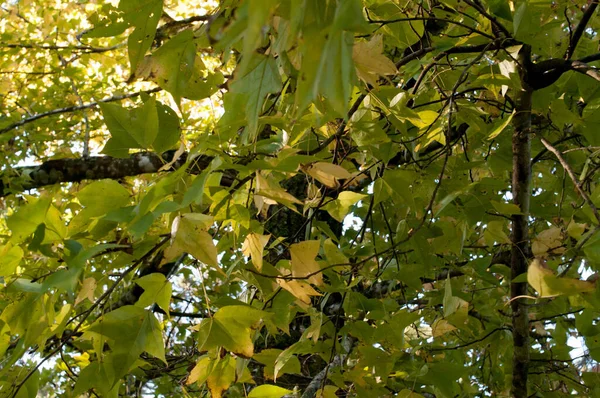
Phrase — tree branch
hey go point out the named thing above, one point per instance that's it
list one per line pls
(68, 109)
(94, 168)
(573, 178)
(587, 15)
(584, 68)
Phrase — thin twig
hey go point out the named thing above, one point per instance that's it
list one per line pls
(574, 179)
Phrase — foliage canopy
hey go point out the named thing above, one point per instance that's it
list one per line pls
(314, 197)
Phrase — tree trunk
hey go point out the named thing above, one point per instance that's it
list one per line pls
(520, 252)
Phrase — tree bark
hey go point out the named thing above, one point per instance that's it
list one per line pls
(520, 252)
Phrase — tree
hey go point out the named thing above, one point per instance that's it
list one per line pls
(323, 198)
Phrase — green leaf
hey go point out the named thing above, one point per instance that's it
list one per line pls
(232, 327)
(500, 8)
(168, 129)
(139, 127)
(340, 207)
(130, 331)
(144, 16)
(327, 71)
(245, 99)
(189, 235)
(259, 13)
(506, 208)
(157, 289)
(269, 356)
(102, 196)
(26, 219)
(500, 128)
(10, 257)
(268, 391)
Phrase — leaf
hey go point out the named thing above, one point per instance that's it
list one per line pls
(139, 127)
(88, 287)
(130, 331)
(157, 289)
(370, 62)
(231, 327)
(547, 284)
(26, 219)
(326, 173)
(201, 371)
(340, 207)
(268, 391)
(168, 127)
(299, 289)
(272, 190)
(500, 128)
(327, 71)
(494, 232)
(101, 196)
(269, 356)
(10, 257)
(254, 246)
(176, 68)
(506, 208)
(144, 15)
(303, 261)
(440, 327)
(259, 13)
(189, 235)
(245, 99)
(221, 377)
(576, 230)
(549, 240)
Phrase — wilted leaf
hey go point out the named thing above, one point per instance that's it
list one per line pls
(327, 173)
(549, 240)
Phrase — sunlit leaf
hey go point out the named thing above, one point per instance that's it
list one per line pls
(231, 327)
(157, 289)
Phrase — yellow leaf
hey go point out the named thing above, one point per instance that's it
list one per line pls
(547, 284)
(549, 240)
(201, 371)
(441, 327)
(536, 276)
(303, 261)
(272, 190)
(189, 235)
(254, 247)
(221, 377)
(300, 290)
(326, 173)
(370, 62)
(87, 291)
